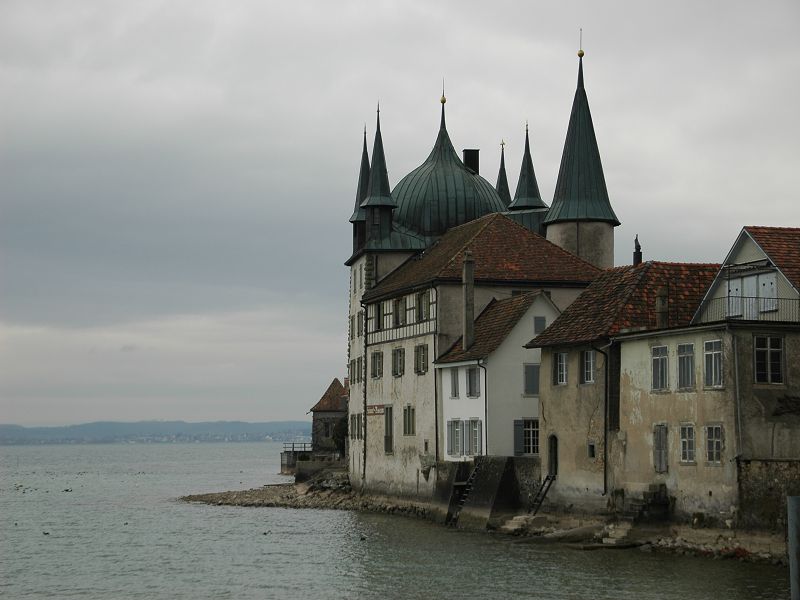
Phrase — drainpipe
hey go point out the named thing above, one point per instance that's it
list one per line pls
(364, 393)
(605, 414)
(485, 406)
(736, 393)
(436, 390)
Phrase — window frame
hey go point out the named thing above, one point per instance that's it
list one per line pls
(530, 437)
(421, 359)
(560, 370)
(715, 445)
(659, 364)
(376, 364)
(538, 369)
(409, 420)
(715, 358)
(686, 365)
(454, 391)
(398, 362)
(476, 392)
(423, 307)
(399, 307)
(768, 353)
(588, 364)
(687, 434)
(388, 429)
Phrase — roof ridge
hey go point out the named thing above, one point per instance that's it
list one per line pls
(772, 227)
(624, 299)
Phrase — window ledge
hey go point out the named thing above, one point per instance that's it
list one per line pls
(713, 464)
(687, 389)
(688, 463)
(713, 388)
(661, 391)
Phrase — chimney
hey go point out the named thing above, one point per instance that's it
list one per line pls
(637, 251)
(468, 285)
(472, 159)
(662, 308)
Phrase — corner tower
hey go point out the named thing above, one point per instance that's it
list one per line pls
(581, 219)
(359, 218)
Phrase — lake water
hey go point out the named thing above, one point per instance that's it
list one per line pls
(121, 533)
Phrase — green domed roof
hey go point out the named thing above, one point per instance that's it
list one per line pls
(442, 192)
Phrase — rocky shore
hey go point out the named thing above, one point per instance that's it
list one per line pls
(332, 491)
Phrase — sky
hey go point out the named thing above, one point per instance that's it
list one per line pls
(176, 177)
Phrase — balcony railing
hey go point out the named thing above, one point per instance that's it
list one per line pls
(749, 308)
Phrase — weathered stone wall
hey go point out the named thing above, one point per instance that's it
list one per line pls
(319, 440)
(763, 487)
(528, 472)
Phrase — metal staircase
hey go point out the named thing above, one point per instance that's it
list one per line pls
(541, 493)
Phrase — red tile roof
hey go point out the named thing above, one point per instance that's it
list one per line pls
(491, 327)
(504, 251)
(334, 399)
(782, 245)
(623, 298)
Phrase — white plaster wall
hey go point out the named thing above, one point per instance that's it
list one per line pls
(593, 241)
(355, 349)
(506, 380)
(461, 407)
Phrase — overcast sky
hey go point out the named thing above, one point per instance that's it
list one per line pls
(176, 177)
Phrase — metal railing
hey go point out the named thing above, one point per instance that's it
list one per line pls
(749, 308)
(297, 446)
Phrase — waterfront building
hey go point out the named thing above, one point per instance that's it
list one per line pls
(329, 419)
(703, 393)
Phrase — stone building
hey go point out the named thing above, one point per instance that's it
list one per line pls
(329, 419)
(405, 281)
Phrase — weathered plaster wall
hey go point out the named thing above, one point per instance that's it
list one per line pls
(319, 440)
(355, 349)
(574, 413)
(593, 241)
(461, 407)
(763, 487)
(696, 486)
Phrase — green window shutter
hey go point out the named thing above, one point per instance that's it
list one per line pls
(519, 437)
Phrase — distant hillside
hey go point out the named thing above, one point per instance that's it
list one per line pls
(157, 432)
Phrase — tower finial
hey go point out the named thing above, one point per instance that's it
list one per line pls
(580, 44)
(502, 145)
(443, 99)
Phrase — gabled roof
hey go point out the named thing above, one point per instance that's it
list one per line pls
(527, 194)
(504, 252)
(491, 327)
(782, 245)
(624, 298)
(334, 399)
(581, 193)
(502, 178)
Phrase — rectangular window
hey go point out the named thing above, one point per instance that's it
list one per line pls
(360, 426)
(530, 436)
(423, 306)
(376, 367)
(591, 450)
(388, 429)
(473, 382)
(587, 366)
(539, 325)
(454, 438)
(659, 357)
(352, 327)
(399, 312)
(409, 421)
(559, 368)
(660, 448)
(359, 367)
(360, 323)
(712, 351)
(531, 373)
(685, 366)
(687, 443)
(378, 309)
(714, 443)
(421, 359)
(353, 371)
(398, 362)
(454, 383)
(768, 356)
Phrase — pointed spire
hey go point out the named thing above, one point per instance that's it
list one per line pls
(378, 189)
(527, 194)
(581, 193)
(443, 100)
(363, 183)
(502, 180)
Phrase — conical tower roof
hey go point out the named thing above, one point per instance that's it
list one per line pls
(527, 194)
(502, 179)
(442, 193)
(378, 189)
(581, 193)
(363, 183)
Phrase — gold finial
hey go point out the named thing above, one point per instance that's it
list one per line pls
(502, 144)
(443, 99)
(580, 44)
(526, 125)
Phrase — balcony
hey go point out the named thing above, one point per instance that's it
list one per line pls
(749, 308)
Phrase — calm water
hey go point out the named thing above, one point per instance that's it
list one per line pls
(120, 533)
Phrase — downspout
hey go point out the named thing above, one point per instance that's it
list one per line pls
(485, 406)
(436, 390)
(605, 415)
(736, 393)
(364, 392)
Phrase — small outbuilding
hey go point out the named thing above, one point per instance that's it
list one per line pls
(329, 423)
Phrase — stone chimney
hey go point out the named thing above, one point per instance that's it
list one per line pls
(468, 285)
(662, 308)
(637, 251)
